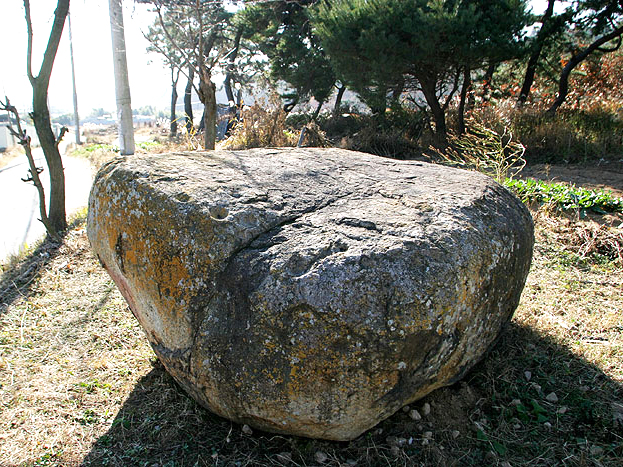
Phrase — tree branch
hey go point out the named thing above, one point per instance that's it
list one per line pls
(31, 78)
(60, 135)
(24, 140)
(60, 14)
(576, 59)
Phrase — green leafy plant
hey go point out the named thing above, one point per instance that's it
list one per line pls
(565, 196)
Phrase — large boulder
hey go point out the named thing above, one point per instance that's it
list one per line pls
(310, 291)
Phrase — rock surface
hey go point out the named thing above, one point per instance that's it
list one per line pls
(310, 291)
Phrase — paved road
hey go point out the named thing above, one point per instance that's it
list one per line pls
(19, 201)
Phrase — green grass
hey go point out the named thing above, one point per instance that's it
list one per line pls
(88, 149)
(565, 197)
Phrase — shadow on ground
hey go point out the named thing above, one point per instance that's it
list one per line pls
(498, 413)
(17, 280)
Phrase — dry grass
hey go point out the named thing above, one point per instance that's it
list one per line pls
(79, 384)
(10, 154)
(100, 147)
(261, 125)
(572, 136)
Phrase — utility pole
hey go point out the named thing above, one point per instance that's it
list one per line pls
(73, 81)
(122, 83)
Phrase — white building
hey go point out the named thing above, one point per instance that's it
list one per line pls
(7, 140)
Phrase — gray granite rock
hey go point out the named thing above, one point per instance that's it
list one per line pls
(310, 291)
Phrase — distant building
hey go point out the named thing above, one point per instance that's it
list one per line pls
(7, 140)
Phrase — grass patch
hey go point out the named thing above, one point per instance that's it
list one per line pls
(565, 196)
(571, 136)
(100, 153)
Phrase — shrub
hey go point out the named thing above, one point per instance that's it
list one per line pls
(484, 150)
(575, 135)
(261, 125)
(395, 134)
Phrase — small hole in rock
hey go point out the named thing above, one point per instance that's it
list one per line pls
(219, 213)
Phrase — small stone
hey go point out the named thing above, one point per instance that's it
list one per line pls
(551, 397)
(456, 434)
(378, 431)
(415, 415)
(406, 409)
(547, 425)
(528, 375)
(428, 434)
(351, 461)
(562, 410)
(426, 409)
(515, 402)
(537, 387)
(401, 442)
(246, 429)
(597, 450)
(517, 426)
(394, 451)
(320, 457)
(425, 442)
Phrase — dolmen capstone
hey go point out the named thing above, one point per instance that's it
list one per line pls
(311, 292)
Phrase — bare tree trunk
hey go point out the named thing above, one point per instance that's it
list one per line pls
(536, 53)
(488, 82)
(317, 111)
(563, 83)
(174, 79)
(188, 106)
(439, 116)
(208, 97)
(24, 141)
(41, 118)
(467, 83)
(230, 65)
(122, 83)
(41, 114)
(233, 108)
(338, 101)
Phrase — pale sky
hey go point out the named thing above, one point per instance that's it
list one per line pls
(150, 81)
(149, 78)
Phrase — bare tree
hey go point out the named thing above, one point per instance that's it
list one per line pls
(616, 34)
(545, 32)
(24, 141)
(195, 29)
(57, 219)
